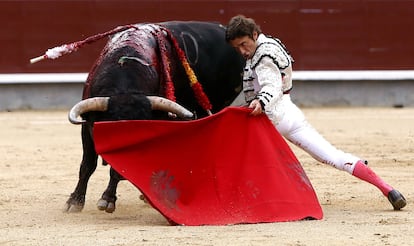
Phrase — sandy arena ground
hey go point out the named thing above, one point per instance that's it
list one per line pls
(40, 156)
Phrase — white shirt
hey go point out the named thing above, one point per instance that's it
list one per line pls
(268, 74)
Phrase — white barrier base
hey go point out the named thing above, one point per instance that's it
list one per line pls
(311, 89)
(29, 78)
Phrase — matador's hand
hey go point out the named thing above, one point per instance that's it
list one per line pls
(256, 106)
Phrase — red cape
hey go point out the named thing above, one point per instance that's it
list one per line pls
(228, 168)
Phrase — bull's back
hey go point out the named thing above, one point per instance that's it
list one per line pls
(217, 65)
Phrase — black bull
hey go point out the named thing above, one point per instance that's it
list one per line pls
(130, 68)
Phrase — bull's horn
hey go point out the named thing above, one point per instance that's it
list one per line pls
(101, 104)
(163, 104)
(87, 105)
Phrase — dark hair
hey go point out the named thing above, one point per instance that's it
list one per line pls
(240, 26)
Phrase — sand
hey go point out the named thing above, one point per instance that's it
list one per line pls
(41, 151)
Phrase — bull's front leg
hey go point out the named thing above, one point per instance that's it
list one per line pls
(76, 201)
(108, 199)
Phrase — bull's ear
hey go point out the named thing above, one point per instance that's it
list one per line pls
(123, 59)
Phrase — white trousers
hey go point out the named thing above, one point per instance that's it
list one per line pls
(295, 128)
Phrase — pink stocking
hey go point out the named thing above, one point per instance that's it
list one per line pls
(365, 173)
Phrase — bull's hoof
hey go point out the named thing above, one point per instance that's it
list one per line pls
(106, 206)
(74, 204)
(71, 208)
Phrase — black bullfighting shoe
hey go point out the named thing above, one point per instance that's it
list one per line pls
(396, 199)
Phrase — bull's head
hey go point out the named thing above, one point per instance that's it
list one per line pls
(101, 104)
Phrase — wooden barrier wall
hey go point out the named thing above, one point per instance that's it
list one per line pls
(320, 34)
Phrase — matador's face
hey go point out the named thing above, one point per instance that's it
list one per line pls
(245, 45)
